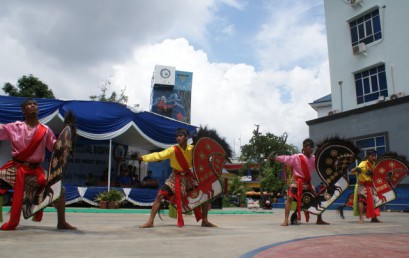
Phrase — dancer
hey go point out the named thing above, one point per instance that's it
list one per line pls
(29, 139)
(365, 192)
(302, 165)
(180, 181)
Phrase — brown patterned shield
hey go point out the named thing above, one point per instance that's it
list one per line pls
(52, 191)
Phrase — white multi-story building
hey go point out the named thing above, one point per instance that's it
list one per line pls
(368, 47)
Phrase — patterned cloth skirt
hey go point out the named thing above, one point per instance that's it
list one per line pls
(8, 179)
(363, 194)
(187, 183)
(294, 186)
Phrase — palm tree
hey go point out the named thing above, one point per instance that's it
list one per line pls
(237, 188)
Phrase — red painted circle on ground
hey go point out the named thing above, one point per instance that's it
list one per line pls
(362, 245)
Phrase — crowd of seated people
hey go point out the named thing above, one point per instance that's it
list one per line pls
(149, 182)
(128, 178)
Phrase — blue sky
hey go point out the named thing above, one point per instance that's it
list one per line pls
(253, 62)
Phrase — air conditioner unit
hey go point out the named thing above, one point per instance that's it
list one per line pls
(333, 112)
(397, 95)
(381, 98)
(355, 2)
(359, 49)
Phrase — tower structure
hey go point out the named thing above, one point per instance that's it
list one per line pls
(171, 93)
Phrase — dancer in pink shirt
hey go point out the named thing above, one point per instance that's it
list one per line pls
(28, 139)
(302, 166)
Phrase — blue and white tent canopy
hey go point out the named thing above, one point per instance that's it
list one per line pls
(102, 121)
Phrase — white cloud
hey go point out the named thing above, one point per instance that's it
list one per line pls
(291, 36)
(74, 46)
(230, 98)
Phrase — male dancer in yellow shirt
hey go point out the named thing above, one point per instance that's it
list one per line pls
(180, 181)
(365, 192)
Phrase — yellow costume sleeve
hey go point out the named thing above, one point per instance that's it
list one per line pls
(363, 177)
(169, 153)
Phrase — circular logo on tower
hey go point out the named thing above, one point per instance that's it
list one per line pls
(165, 73)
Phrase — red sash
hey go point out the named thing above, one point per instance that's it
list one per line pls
(185, 166)
(22, 171)
(35, 142)
(370, 205)
(307, 177)
(305, 168)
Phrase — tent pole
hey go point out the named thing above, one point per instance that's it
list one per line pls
(109, 164)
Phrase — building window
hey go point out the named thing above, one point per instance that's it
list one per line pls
(370, 84)
(366, 29)
(378, 143)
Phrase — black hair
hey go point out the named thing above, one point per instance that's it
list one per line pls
(27, 101)
(309, 142)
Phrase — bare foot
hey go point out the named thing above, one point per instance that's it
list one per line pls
(147, 225)
(284, 224)
(321, 222)
(376, 220)
(65, 225)
(208, 224)
(361, 222)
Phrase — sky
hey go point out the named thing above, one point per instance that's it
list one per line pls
(254, 62)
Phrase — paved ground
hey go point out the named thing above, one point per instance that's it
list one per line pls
(254, 234)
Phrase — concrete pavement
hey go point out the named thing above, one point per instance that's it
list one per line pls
(238, 235)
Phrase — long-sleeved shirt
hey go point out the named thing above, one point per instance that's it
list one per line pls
(20, 136)
(169, 153)
(365, 166)
(295, 162)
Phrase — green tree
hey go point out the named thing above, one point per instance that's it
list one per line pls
(258, 149)
(122, 98)
(236, 186)
(28, 86)
(271, 180)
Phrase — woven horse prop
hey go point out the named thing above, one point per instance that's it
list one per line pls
(389, 170)
(208, 161)
(333, 157)
(210, 153)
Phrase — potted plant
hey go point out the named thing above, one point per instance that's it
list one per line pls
(102, 199)
(110, 199)
(115, 197)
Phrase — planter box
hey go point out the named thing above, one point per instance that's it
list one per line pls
(103, 204)
(113, 205)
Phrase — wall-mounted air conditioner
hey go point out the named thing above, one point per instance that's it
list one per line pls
(355, 2)
(359, 49)
(397, 95)
(333, 112)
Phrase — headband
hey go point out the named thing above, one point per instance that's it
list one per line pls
(182, 131)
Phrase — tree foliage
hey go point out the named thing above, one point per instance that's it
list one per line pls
(28, 86)
(260, 146)
(271, 180)
(236, 186)
(122, 98)
(258, 149)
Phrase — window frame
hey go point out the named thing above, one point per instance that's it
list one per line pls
(370, 84)
(366, 28)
